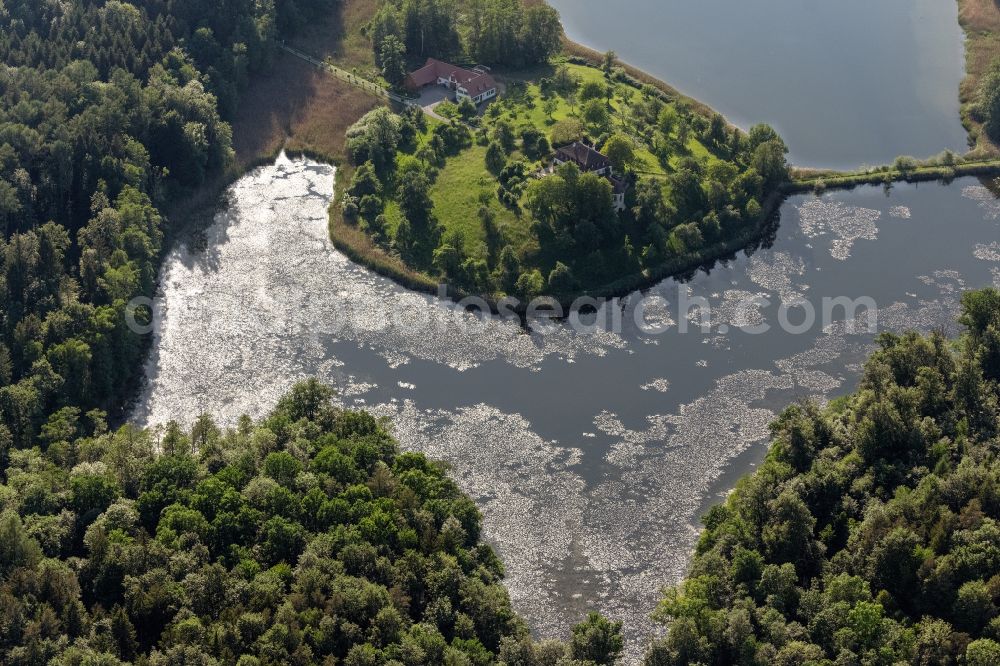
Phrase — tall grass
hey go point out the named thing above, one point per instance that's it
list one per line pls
(980, 19)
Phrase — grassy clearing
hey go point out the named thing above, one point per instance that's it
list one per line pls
(572, 48)
(981, 21)
(462, 186)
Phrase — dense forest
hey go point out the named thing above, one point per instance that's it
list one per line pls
(108, 111)
(871, 535)
(306, 538)
(488, 32)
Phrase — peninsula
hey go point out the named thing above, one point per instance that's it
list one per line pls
(569, 174)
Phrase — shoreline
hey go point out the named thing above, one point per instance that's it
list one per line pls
(359, 247)
(817, 180)
(194, 213)
(573, 48)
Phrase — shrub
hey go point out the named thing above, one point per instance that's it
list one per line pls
(566, 132)
(496, 158)
(561, 279)
(447, 109)
(466, 109)
(593, 90)
(905, 163)
(350, 208)
(530, 285)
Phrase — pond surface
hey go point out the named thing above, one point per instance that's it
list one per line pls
(845, 83)
(591, 455)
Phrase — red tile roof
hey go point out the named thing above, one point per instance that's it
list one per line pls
(473, 81)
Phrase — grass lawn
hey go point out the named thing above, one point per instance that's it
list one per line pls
(464, 182)
(461, 187)
(458, 190)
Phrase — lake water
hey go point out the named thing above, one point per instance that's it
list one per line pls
(845, 83)
(591, 455)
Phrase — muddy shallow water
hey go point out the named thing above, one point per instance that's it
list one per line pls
(591, 455)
